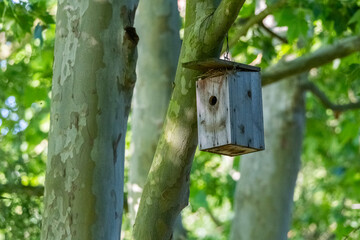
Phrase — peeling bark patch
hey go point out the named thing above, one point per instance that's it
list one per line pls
(119, 86)
(75, 27)
(148, 200)
(130, 34)
(174, 109)
(184, 90)
(74, 119)
(115, 146)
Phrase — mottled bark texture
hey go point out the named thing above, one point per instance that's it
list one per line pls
(94, 75)
(264, 193)
(158, 24)
(166, 190)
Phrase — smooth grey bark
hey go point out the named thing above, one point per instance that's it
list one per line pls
(264, 192)
(94, 75)
(158, 25)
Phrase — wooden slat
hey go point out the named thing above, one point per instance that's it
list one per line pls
(230, 150)
(257, 109)
(213, 120)
(241, 114)
(220, 64)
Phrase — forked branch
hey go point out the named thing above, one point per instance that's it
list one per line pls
(223, 17)
(273, 34)
(256, 19)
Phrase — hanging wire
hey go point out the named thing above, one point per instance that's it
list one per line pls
(226, 56)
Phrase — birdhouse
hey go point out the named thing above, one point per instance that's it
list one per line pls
(229, 107)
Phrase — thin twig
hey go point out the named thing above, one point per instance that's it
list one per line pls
(317, 58)
(213, 218)
(325, 100)
(272, 33)
(354, 230)
(241, 31)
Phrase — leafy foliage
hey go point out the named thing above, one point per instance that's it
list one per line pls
(25, 80)
(327, 194)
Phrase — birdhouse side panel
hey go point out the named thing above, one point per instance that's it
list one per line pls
(212, 97)
(246, 110)
(241, 109)
(257, 109)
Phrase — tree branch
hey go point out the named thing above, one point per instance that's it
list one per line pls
(223, 17)
(254, 20)
(318, 58)
(213, 217)
(325, 100)
(273, 34)
(37, 191)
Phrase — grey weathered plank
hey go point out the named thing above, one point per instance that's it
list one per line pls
(242, 116)
(257, 108)
(214, 63)
(212, 119)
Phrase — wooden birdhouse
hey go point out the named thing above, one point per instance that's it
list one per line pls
(229, 107)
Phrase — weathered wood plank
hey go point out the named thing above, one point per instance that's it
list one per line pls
(218, 64)
(212, 102)
(257, 108)
(242, 116)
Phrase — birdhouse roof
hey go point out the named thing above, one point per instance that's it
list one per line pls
(219, 64)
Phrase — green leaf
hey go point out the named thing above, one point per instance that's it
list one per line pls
(348, 132)
(295, 21)
(355, 18)
(200, 199)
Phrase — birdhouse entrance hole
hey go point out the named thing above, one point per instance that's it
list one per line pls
(229, 107)
(213, 100)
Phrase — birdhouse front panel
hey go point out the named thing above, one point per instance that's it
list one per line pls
(213, 112)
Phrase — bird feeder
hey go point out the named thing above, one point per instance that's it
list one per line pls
(229, 107)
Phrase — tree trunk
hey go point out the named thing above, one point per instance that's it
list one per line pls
(158, 24)
(264, 193)
(166, 190)
(158, 27)
(94, 75)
